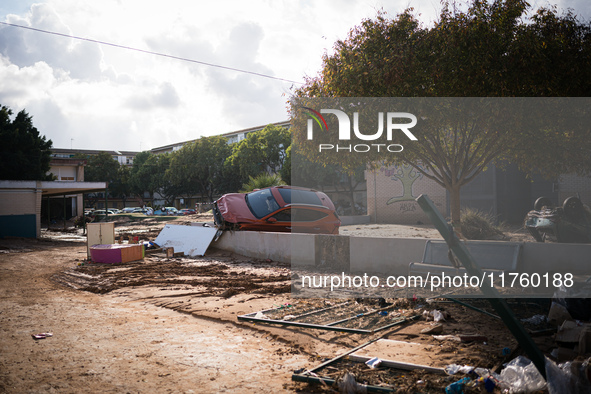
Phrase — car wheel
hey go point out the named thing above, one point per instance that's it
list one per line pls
(543, 202)
(573, 207)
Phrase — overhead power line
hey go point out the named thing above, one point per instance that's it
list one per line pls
(152, 53)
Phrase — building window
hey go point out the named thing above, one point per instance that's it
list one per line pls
(67, 178)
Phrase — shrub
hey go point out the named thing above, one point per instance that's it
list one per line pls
(261, 181)
(478, 225)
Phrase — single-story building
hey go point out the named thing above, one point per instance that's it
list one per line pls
(20, 203)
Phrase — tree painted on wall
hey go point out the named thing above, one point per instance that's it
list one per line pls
(406, 175)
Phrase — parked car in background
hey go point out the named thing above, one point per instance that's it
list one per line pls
(187, 211)
(569, 223)
(128, 209)
(277, 208)
(167, 211)
(103, 212)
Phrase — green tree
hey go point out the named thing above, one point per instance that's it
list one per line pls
(317, 175)
(101, 168)
(144, 177)
(199, 168)
(486, 51)
(262, 151)
(285, 171)
(122, 186)
(24, 153)
(166, 186)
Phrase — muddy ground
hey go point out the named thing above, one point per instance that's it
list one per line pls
(170, 324)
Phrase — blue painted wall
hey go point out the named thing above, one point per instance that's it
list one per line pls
(18, 226)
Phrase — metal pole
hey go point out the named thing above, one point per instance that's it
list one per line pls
(83, 216)
(499, 304)
(48, 213)
(107, 204)
(64, 202)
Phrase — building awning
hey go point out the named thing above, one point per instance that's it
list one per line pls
(55, 188)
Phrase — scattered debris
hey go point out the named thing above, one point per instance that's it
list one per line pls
(191, 240)
(436, 328)
(435, 315)
(116, 253)
(568, 377)
(462, 338)
(522, 376)
(351, 316)
(42, 335)
(397, 354)
(373, 363)
(457, 387)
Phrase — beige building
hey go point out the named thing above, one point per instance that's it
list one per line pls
(20, 203)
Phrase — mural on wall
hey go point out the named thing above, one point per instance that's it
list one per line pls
(406, 175)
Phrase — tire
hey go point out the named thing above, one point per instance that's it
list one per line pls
(573, 207)
(543, 202)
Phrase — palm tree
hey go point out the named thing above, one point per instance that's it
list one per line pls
(261, 181)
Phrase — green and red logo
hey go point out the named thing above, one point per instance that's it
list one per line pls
(388, 122)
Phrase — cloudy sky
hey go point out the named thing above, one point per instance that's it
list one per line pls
(89, 95)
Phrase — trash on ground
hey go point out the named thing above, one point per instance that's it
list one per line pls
(373, 362)
(453, 369)
(191, 240)
(42, 335)
(462, 338)
(116, 253)
(535, 320)
(398, 354)
(435, 315)
(573, 339)
(457, 387)
(436, 328)
(568, 377)
(522, 376)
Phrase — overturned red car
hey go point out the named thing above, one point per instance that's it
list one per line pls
(277, 208)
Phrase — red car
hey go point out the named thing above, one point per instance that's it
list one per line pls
(188, 211)
(277, 208)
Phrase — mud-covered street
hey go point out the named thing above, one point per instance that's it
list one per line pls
(170, 325)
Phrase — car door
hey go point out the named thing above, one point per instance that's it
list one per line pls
(310, 220)
(278, 221)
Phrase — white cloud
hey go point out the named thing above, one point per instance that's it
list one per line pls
(105, 97)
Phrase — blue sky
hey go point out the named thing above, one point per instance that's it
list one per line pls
(91, 96)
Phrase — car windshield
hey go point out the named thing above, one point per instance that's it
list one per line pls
(296, 196)
(261, 203)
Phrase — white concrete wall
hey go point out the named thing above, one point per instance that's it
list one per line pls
(275, 246)
(552, 257)
(385, 255)
(392, 256)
